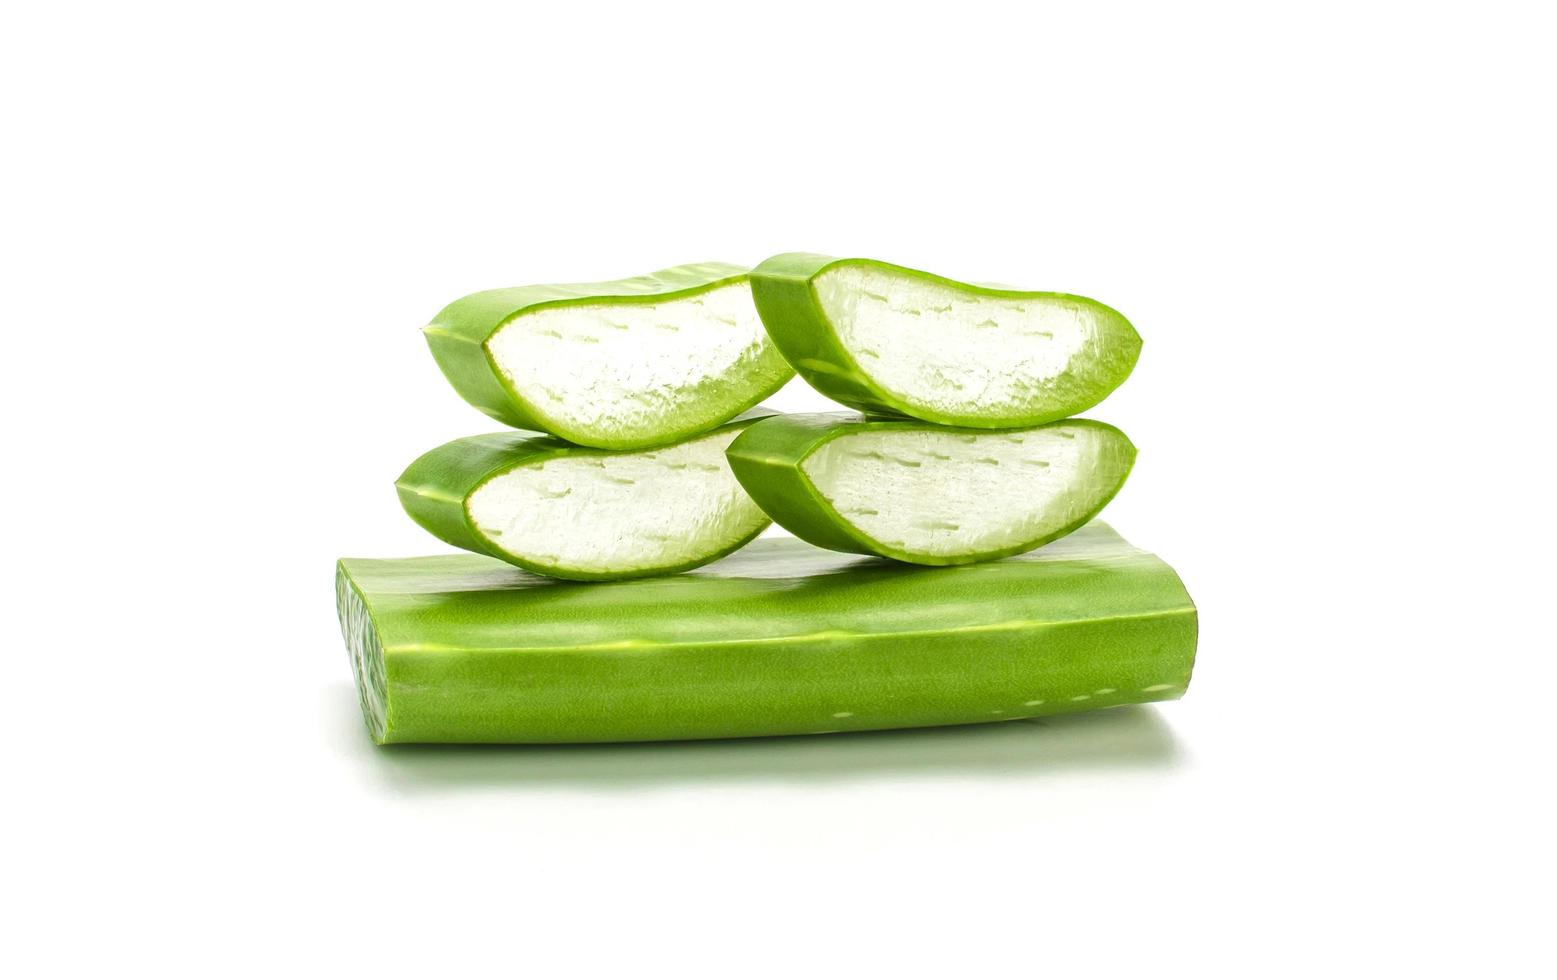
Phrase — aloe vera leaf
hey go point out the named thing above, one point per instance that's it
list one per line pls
(896, 341)
(616, 365)
(929, 494)
(780, 638)
(580, 513)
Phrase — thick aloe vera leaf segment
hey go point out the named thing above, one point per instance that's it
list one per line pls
(780, 638)
(617, 365)
(580, 513)
(885, 339)
(929, 494)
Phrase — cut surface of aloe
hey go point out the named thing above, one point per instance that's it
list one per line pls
(617, 365)
(886, 339)
(780, 638)
(580, 513)
(928, 494)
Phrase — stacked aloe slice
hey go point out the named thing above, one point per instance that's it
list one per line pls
(639, 449)
(641, 384)
(993, 467)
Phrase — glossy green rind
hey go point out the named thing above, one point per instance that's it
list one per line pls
(769, 457)
(459, 334)
(436, 488)
(784, 289)
(780, 638)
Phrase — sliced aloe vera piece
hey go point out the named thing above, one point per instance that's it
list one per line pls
(579, 513)
(885, 339)
(780, 638)
(617, 365)
(925, 493)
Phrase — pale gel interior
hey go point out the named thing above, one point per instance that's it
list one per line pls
(626, 367)
(367, 656)
(955, 351)
(949, 493)
(656, 508)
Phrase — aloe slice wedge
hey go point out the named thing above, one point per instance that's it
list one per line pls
(780, 638)
(885, 339)
(929, 494)
(579, 513)
(616, 365)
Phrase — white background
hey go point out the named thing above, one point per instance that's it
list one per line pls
(223, 226)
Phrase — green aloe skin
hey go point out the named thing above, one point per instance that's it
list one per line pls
(587, 514)
(929, 494)
(889, 340)
(781, 638)
(615, 365)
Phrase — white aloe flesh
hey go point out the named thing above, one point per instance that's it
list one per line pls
(608, 514)
(947, 494)
(956, 354)
(626, 367)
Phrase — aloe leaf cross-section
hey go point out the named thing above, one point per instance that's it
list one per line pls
(929, 494)
(580, 513)
(885, 339)
(616, 365)
(780, 638)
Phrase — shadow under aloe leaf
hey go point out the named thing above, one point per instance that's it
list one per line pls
(1132, 737)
